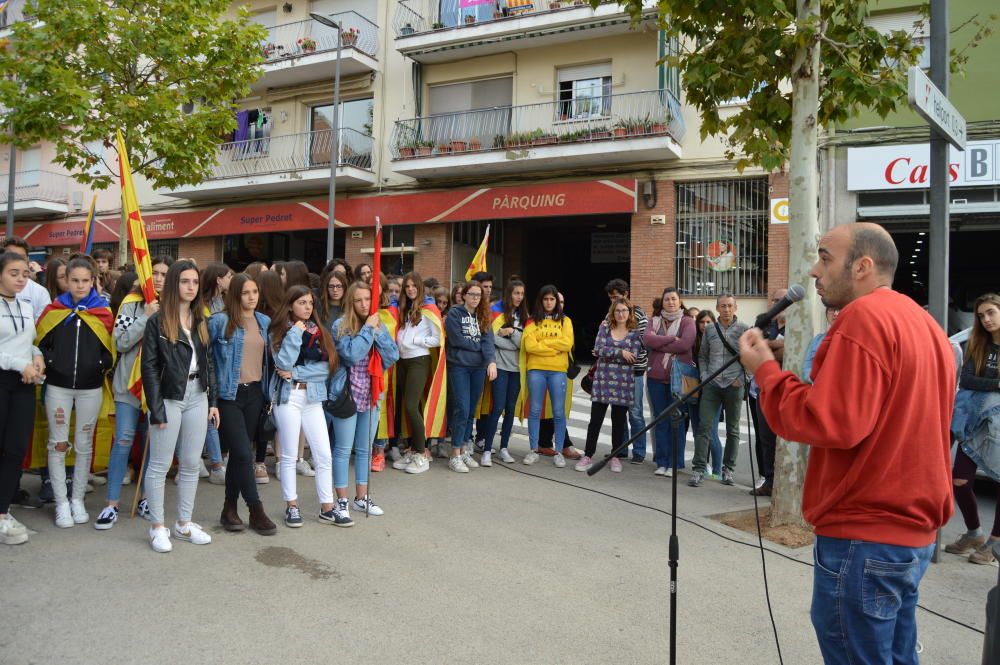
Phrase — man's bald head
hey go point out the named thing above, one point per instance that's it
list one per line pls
(873, 241)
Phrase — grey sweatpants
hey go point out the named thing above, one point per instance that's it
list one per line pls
(187, 421)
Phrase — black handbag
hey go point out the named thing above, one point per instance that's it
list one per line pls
(573, 369)
(266, 426)
(587, 382)
(343, 406)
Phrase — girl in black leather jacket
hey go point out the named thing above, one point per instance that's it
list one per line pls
(179, 382)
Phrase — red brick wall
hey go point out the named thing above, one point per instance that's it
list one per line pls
(434, 257)
(653, 246)
(353, 246)
(202, 250)
(777, 239)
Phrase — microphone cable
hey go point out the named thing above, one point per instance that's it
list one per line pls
(717, 534)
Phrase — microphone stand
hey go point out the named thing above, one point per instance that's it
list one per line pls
(674, 553)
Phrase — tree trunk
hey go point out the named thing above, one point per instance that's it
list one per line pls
(803, 232)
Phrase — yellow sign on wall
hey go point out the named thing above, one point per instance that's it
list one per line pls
(779, 211)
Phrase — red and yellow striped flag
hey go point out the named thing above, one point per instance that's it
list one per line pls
(479, 260)
(136, 228)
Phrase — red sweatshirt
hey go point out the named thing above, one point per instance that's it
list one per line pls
(877, 418)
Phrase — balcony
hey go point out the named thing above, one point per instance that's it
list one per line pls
(36, 194)
(289, 164)
(13, 13)
(614, 129)
(305, 51)
(432, 31)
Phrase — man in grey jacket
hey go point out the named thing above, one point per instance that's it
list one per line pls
(725, 390)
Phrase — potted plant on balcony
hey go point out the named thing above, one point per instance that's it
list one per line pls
(408, 149)
(470, 19)
(457, 145)
(554, 4)
(269, 50)
(658, 126)
(599, 133)
(442, 149)
(306, 44)
(424, 148)
(437, 25)
(349, 37)
(407, 30)
(627, 127)
(475, 144)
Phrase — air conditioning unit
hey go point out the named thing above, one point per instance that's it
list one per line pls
(77, 201)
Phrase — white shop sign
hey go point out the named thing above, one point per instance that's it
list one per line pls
(908, 166)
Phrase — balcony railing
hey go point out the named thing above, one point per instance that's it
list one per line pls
(292, 152)
(291, 40)
(583, 120)
(418, 16)
(37, 185)
(13, 13)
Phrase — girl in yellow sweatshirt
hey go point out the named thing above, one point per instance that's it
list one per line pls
(547, 342)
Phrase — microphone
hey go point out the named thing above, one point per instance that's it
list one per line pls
(795, 294)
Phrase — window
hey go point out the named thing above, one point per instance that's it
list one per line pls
(471, 234)
(913, 23)
(473, 109)
(584, 92)
(722, 237)
(356, 119)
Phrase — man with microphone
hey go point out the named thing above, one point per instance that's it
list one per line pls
(877, 416)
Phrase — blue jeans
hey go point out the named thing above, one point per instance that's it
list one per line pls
(715, 443)
(864, 601)
(540, 381)
(465, 385)
(505, 391)
(637, 420)
(126, 432)
(670, 434)
(213, 445)
(354, 433)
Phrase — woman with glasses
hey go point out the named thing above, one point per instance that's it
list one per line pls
(471, 359)
(331, 297)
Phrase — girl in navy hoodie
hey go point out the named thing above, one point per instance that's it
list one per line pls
(471, 358)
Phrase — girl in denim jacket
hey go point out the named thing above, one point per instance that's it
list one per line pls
(355, 333)
(304, 359)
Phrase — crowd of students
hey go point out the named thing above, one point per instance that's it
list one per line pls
(273, 359)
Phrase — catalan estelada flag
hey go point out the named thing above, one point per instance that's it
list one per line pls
(136, 228)
(435, 394)
(135, 372)
(375, 359)
(87, 244)
(479, 260)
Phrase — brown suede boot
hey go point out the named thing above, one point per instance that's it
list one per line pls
(260, 522)
(230, 519)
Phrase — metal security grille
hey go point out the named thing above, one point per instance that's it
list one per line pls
(722, 237)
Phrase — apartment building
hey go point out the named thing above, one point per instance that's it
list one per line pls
(551, 123)
(879, 170)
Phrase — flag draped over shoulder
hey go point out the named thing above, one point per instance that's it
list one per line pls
(94, 312)
(435, 393)
(486, 398)
(136, 228)
(387, 415)
(87, 244)
(478, 263)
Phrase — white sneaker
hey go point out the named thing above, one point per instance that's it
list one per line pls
(469, 460)
(559, 461)
(64, 517)
(159, 539)
(79, 511)
(403, 461)
(394, 454)
(530, 458)
(303, 469)
(127, 479)
(203, 471)
(418, 464)
(98, 480)
(217, 476)
(12, 532)
(660, 471)
(584, 464)
(456, 464)
(669, 473)
(486, 459)
(192, 533)
(364, 504)
(506, 457)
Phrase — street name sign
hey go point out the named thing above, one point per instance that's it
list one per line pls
(933, 105)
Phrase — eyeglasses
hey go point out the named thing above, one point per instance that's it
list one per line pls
(473, 295)
(334, 287)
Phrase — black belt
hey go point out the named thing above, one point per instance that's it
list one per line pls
(193, 375)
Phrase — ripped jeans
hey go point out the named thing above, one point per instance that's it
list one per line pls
(127, 432)
(59, 404)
